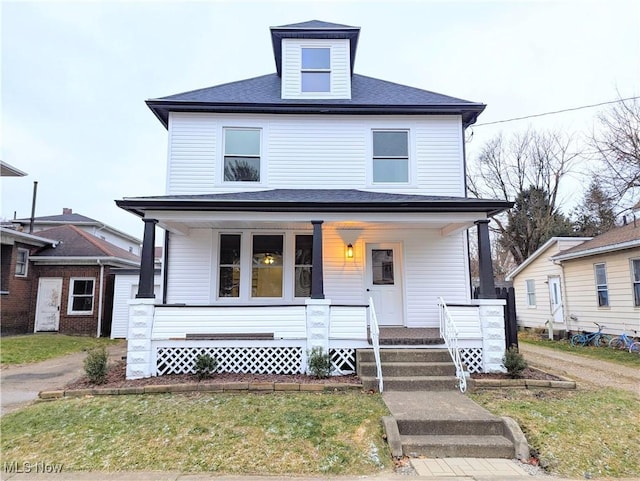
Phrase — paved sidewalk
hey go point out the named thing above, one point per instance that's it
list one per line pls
(20, 385)
(583, 369)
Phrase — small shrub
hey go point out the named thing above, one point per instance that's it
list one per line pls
(205, 366)
(319, 363)
(514, 362)
(95, 365)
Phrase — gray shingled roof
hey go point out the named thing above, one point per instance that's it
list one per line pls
(74, 242)
(627, 236)
(316, 25)
(316, 200)
(262, 94)
(61, 218)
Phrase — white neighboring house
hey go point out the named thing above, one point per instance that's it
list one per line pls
(538, 286)
(577, 282)
(91, 226)
(296, 199)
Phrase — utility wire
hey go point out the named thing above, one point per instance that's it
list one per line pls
(556, 112)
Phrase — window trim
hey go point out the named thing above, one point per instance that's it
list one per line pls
(316, 70)
(530, 292)
(25, 271)
(72, 281)
(599, 287)
(635, 282)
(411, 175)
(262, 172)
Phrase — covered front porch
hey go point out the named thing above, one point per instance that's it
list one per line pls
(396, 255)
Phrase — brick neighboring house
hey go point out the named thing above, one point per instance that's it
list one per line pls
(68, 287)
(16, 278)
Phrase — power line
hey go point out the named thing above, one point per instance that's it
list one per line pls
(556, 112)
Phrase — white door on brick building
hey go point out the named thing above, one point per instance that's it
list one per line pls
(48, 304)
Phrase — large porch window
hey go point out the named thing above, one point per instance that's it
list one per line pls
(229, 281)
(267, 263)
(304, 258)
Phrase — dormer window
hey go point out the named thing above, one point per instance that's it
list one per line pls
(316, 70)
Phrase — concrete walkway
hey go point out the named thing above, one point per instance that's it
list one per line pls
(20, 385)
(583, 369)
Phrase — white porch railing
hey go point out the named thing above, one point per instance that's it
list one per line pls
(375, 338)
(449, 331)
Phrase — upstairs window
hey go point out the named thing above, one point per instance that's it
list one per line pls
(635, 272)
(241, 155)
(316, 70)
(531, 292)
(22, 262)
(390, 156)
(601, 285)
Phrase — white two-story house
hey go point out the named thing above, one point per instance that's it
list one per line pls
(297, 200)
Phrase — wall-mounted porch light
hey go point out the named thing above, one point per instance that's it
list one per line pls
(349, 251)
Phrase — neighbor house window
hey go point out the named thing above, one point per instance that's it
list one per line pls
(316, 70)
(266, 270)
(601, 285)
(81, 296)
(303, 262)
(241, 155)
(531, 292)
(22, 262)
(229, 280)
(635, 272)
(390, 156)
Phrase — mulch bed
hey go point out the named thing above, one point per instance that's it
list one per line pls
(116, 377)
(528, 373)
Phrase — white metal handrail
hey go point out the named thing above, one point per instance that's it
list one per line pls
(375, 339)
(449, 332)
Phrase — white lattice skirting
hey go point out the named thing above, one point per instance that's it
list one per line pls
(250, 360)
(472, 358)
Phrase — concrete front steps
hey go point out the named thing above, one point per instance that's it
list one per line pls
(408, 369)
(430, 417)
(447, 424)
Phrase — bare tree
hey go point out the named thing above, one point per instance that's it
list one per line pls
(617, 144)
(530, 161)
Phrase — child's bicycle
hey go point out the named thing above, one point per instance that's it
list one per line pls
(622, 342)
(598, 339)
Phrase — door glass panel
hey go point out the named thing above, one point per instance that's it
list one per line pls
(382, 267)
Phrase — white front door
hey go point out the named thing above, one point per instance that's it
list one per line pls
(384, 282)
(555, 297)
(48, 304)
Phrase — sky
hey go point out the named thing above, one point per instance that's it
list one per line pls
(75, 75)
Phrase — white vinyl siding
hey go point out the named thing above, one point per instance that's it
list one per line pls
(433, 266)
(190, 268)
(292, 68)
(315, 151)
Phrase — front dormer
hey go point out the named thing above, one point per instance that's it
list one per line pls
(314, 59)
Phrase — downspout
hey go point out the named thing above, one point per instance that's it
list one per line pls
(100, 298)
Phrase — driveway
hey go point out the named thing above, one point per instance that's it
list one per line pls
(583, 369)
(20, 384)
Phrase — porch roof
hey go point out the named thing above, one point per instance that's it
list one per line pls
(313, 200)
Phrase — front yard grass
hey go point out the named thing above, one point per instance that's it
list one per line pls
(275, 434)
(40, 347)
(620, 356)
(593, 433)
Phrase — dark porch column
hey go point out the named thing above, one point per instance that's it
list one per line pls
(487, 288)
(317, 276)
(145, 284)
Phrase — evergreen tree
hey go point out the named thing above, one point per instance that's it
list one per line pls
(595, 215)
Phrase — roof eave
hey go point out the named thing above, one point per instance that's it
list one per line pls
(597, 250)
(140, 206)
(468, 111)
